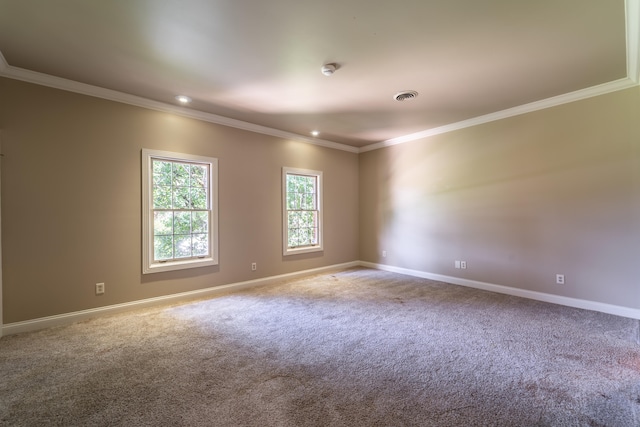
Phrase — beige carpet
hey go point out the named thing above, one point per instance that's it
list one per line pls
(355, 348)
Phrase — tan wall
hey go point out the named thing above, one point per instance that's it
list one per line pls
(71, 201)
(521, 199)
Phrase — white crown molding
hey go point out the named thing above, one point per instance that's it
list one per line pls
(632, 21)
(517, 292)
(3, 64)
(29, 76)
(515, 111)
(632, 14)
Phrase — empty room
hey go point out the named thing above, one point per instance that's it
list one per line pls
(294, 213)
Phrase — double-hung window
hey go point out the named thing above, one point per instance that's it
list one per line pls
(180, 211)
(302, 210)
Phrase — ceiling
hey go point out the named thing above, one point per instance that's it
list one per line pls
(256, 64)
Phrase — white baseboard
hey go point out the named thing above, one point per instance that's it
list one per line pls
(539, 296)
(76, 316)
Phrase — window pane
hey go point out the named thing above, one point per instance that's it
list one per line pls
(181, 174)
(181, 198)
(182, 223)
(200, 244)
(162, 223)
(302, 209)
(291, 201)
(198, 176)
(293, 219)
(291, 186)
(182, 246)
(308, 201)
(303, 238)
(293, 237)
(161, 173)
(199, 222)
(308, 219)
(161, 197)
(181, 217)
(198, 198)
(311, 185)
(163, 247)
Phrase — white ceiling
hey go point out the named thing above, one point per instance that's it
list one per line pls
(256, 64)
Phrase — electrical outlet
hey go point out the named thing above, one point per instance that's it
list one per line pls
(99, 288)
(560, 279)
(254, 266)
(384, 254)
(463, 265)
(457, 264)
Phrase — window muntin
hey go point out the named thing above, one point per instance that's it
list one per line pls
(302, 214)
(180, 226)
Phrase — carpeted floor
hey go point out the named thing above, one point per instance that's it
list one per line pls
(354, 348)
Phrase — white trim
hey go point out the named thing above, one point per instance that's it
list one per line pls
(29, 76)
(286, 250)
(632, 26)
(632, 17)
(148, 263)
(4, 65)
(523, 293)
(510, 112)
(633, 69)
(77, 316)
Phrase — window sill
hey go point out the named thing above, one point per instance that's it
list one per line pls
(179, 265)
(302, 250)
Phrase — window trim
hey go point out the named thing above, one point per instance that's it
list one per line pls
(286, 250)
(148, 266)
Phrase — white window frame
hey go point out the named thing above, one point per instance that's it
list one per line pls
(286, 250)
(148, 264)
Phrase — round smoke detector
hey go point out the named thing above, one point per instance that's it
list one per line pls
(328, 69)
(405, 95)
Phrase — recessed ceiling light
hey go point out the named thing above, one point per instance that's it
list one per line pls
(182, 99)
(315, 132)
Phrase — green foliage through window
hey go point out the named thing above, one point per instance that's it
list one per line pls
(181, 210)
(302, 210)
